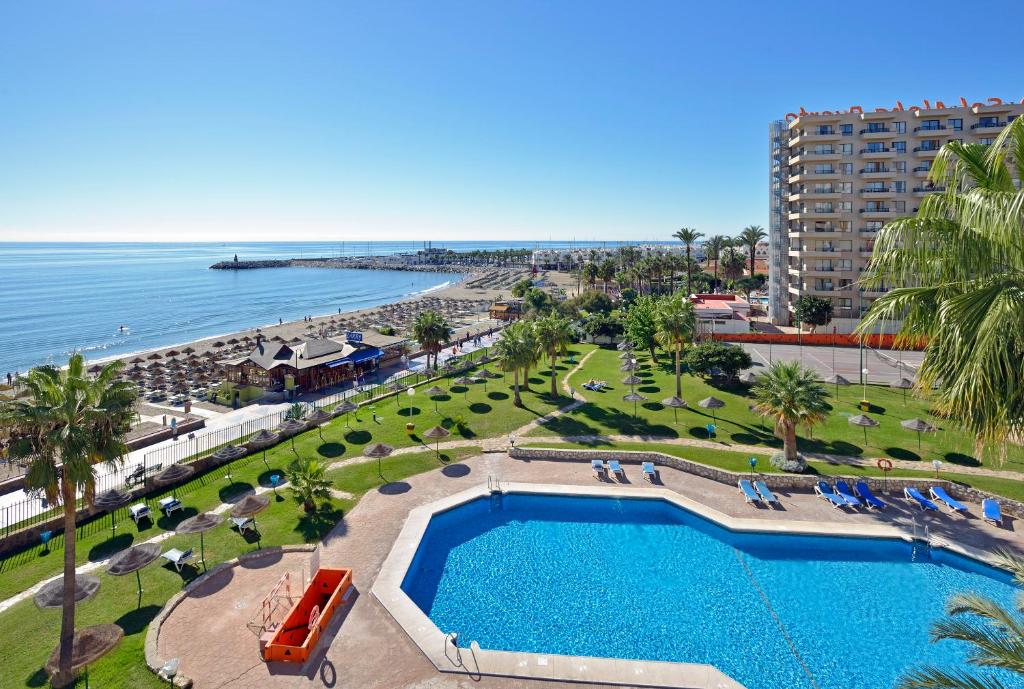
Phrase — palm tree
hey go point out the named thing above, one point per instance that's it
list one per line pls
(713, 247)
(606, 271)
(688, 236)
(676, 324)
(749, 237)
(554, 334)
(432, 331)
(996, 633)
(792, 395)
(308, 481)
(514, 353)
(957, 273)
(732, 263)
(532, 345)
(68, 423)
(590, 274)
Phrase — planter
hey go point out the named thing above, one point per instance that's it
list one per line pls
(865, 405)
(410, 427)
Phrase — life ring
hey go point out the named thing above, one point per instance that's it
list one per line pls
(314, 616)
(884, 464)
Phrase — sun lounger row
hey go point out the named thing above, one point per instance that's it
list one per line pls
(843, 496)
(757, 492)
(614, 469)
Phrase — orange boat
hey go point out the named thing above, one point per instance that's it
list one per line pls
(294, 640)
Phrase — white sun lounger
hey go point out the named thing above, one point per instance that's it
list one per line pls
(178, 558)
(598, 467)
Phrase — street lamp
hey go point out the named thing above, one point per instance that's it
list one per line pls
(936, 464)
(864, 397)
(170, 669)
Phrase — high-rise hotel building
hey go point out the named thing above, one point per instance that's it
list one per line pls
(837, 177)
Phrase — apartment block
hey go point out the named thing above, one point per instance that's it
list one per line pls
(837, 178)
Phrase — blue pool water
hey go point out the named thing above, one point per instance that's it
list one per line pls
(643, 579)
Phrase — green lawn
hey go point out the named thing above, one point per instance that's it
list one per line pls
(606, 413)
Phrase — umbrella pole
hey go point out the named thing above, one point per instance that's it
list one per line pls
(919, 441)
(675, 415)
(265, 459)
(202, 549)
(865, 435)
(112, 527)
(138, 580)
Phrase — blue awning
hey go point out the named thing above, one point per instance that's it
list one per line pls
(339, 362)
(364, 354)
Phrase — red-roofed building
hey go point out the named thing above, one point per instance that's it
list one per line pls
(721, 313)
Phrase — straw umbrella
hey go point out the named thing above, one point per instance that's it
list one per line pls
(250, 506)
(51, 595)
(262, 440)
(437, 433)
(837, 380)
(133, 559)
(110, 500)
(464, 382)
(626, 355)
(903, 384)
(625, 346)
(379, 451)
(628, 366)
(676, 404)
(634, 398)
(172, 476)
(632, 380)
(397, 388)
(920, 426)
(865, 422)
(88, 645)
(433, 392)
(154, 356)
(137, 360)
(200, 524)
(345, 407)
(188, 350)
(712, 403)
(317, 418)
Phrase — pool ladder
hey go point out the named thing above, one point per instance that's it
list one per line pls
(920, 536)
(453, 639)
(493, 485)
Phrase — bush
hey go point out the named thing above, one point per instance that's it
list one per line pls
(708, 356)
(597, 325)
(797, 466)
(594, 302)
(813, 311)
(386, 330)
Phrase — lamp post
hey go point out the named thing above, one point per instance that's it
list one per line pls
(170, 670)
(864, 383)
(936, 464)
(753, 464)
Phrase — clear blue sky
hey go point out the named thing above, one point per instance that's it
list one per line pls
(444, 120)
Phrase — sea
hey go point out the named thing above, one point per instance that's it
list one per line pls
(58, 298)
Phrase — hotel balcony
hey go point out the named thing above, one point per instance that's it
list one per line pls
(812, 176)
(815, 195)
(989, 126)
(812, 157)
(867, 233)
(877, 193)
(882, 133)
(808, 233)
(810, 213)
(922, 191)
(814, 137)
(930, 131)
(883, 153)
(880, 213)
(807, 251)
(921, 171)
(877, 173)
(922, 151)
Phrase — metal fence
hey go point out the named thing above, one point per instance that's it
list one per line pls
(34, 510)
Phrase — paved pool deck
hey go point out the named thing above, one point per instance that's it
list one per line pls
(365, 647)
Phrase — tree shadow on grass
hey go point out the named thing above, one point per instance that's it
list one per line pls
(621, 422)
(653, 406)
(960, 459)
(103, 550)
(331, 450)
(313, 526)
(359, 437)
(649, 389)
(567, 426)
(264, 478)
(903, 453)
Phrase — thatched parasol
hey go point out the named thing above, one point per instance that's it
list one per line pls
(465, 382)
(51, 595)
(137, 360)
(233, 341)
(632, 380)
(345, 407)
(95, 368)
(88, 645)
(379, 451)
(173, 475)
(626, 355)
(903, 384)
(748, 378)
(228, 453)
(711, 403)
(200, 524)
(172, 353)
(676, 404)
(290, 427)
(837, 380)
(634, 398)
(263, 439)
(437, 433)
(318, 417)
(250, 506)
(154, 356)
(188, 350)
(132, 560)
(433, 392)
(110, 500)
(920, 426)
(628, 366)
(218, 344)
(625, 346)
(865, 422)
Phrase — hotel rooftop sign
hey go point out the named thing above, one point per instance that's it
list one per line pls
(939, 105)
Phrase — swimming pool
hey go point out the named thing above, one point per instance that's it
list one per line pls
(645, 579)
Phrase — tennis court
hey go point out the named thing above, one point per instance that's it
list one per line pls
(884, 366)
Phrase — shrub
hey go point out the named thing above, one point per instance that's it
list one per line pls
(792, 466)
(702, 359)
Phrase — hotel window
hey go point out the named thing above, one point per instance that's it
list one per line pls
(822, 188)
(823, 169)
(873, 225)
(899, 206)
(825, 129)
(846, 206)
(900, 127)
(824, 148)
(986, 140)
(899, 187)
(846, 149)
(901, 166)
(847, 129)
(875, 147)
(844, 225)
(846, 168)
(875, 186)
(846, 187)
(845, 303)
(956, 124)
(822, 207)
(929, 125)
(845, 245)
(874, 127)
(844, 264)
(899, 146)
(988, 121)
(845, 283)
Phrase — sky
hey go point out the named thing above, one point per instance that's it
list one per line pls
(549, 120)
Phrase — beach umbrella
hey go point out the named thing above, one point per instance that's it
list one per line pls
(262, 440)
(634, 398)
(345, 407)
(837, 380)
(188, 350)
(200, 524)
(748, 378)
(154, 356)
(110, 500)
(396, 387)
(625, 346)
(318, 417)
(379, 451)
(218, 344)
(903, 384)
(290, 427)
(233, 341)
(628, 366)
(228, 453)
(173, 475)
(172, 353)
(87, 646)
(95, 368)
(465, 382)
(433, 392)
(626, 355)
(51, 594)
(437, 433)
(250, 506)
(133, 559)
(920, 426)
(137, 360)
(712, 403)
(277, 338)
(632, 380)
(295, 340)
(676, 405)
(865, 422)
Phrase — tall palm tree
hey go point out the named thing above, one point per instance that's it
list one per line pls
(532, 346)
(732, 263)
(749, 237)
(432, 331)
(68, 423)
(606, 271)
(676, 325)
(997, 635)
(688, 236)
(792, 395)
(957, 273)
(554, 334)
(590, 274)
(713, 247)
(514, 353)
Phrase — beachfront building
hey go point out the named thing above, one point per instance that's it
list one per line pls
(566, 259)
(835, 178)
(507, 310)
(306, 366)
(721, 313)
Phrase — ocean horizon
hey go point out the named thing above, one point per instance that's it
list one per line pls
(62, 297)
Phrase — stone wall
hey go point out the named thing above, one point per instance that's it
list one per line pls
(782, 482)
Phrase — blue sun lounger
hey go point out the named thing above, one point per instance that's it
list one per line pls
(615, 468)
(923, 502)
(867, 496)
(749, 494)
(766, 494)
(939, 493)
(825, 491)
(648, 469)
(843, 488)
(990, 510)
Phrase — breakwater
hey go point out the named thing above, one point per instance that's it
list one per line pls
(368, 263)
